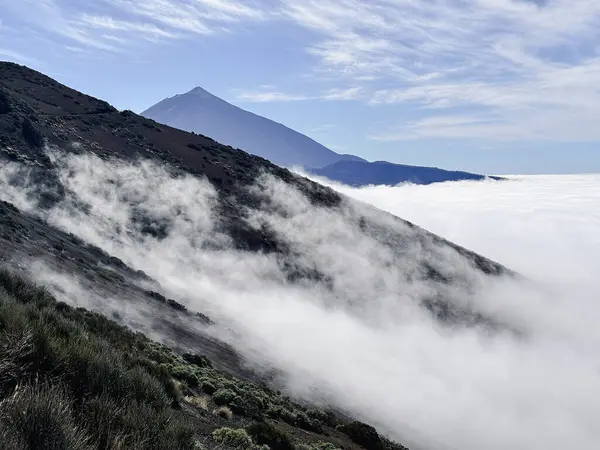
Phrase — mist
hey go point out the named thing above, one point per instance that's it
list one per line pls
(363, 342)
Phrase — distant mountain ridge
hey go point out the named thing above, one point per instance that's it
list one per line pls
(201, 112)
(359, 173)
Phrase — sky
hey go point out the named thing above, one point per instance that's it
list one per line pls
(490, 86)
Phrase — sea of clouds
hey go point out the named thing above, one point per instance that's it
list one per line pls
(384, 359)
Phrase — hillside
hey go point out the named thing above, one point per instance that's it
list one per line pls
(203, 113)
(203, 249)
(362, 173)
(72, 379)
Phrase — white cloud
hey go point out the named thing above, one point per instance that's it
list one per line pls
(323, 128)
(192, 16)
(529, 67)
(17, 57)
(269, 96)
(363, 342)
(353, 93)
(147, 30)
(531, 64)
(131, 21)
(263, 96)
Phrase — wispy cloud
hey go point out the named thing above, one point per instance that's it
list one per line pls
(353, 93)
(271, 96)
(17, 57)
(126, 23)
(263, 95)
(530, 67)
(323, 128)
(145, 30)
(531, 64)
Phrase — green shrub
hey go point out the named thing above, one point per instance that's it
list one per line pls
(321, 445)
(288, 416)
(274, 411)
(185, 373)
(362, 434)
(41, 417)
(95, 389)
(235, 438)
(118, 424)
(223, 396)
(16, 349)
(207, 386)
(320, 415)
(264, 433)
(238, 405)
(162, 373)
(391, 445)
(307, 423)
(197, 360)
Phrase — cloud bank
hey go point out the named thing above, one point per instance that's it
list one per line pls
(361, 340)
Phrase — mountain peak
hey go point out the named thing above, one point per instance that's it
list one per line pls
(204, 113)
(200, 91)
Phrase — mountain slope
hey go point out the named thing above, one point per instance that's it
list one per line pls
(218, 253)
(203, 113)
(359, 173)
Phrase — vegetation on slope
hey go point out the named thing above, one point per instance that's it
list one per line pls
(73, 379)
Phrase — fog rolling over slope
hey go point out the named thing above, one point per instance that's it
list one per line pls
(437, 346)
(358, 338)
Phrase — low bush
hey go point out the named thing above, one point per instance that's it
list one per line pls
(288, 416)
(223, 396)
(185, 373)
(41, 416)
(223, 412)
(324, 446)
(362, 434)
(317, 446)
(264, 433)
(71, 379)
(231, 437)
(198, 402)
(307, 423)
(207, 386)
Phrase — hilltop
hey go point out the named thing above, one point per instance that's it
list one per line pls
(201, 112)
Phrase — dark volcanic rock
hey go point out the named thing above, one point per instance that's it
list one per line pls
(5, 107)
(31, 134)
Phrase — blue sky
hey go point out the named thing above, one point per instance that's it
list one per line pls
(494, 86)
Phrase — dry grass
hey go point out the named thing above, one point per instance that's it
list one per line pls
(224, 412)
(197, 401)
